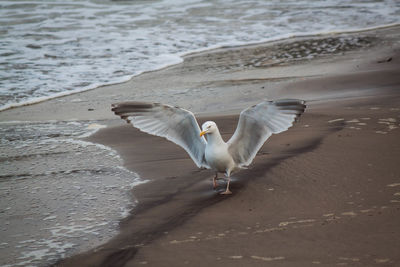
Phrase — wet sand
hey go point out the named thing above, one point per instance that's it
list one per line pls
(326, 192)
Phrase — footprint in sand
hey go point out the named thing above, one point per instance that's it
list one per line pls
(349, 213)
(238, 257)
(267, 258)
(393, 185)
(382, 260)
(356, 121)
(353, 121)
(389, 122)
(354, 259)
(336, 120)
(366, 210)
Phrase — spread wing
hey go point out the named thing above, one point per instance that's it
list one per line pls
(175, 124)
(257, 123)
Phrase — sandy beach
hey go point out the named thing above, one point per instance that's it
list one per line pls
(326, 192)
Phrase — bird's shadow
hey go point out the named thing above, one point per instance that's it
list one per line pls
(169, 200)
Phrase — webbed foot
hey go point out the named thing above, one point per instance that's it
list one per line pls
(226, 192)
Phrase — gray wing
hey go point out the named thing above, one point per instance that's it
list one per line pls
(257, 123)
(175, 124)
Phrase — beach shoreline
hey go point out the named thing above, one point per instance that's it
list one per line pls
(353, 102)
(217, 71)
(179, 58)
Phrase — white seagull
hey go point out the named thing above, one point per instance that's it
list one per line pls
(256, 124)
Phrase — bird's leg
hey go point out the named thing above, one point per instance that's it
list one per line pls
(215, 184)
(227, 191)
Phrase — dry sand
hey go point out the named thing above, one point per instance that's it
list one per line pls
(325, 192)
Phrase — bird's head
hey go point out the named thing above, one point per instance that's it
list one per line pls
(208, 127)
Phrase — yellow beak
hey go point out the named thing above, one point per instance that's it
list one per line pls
(203, 133)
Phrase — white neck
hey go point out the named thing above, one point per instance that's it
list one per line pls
(215, 138)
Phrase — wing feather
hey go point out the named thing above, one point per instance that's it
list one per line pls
(257, 123)
(175, 124)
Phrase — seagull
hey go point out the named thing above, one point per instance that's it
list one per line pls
(256, 124)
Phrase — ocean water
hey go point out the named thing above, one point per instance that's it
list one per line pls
(50, 48)
(59, 194)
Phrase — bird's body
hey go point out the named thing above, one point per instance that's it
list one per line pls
(217, 153)
(218, 158)
(256, 124)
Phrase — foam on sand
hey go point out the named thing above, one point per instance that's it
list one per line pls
(56, 199)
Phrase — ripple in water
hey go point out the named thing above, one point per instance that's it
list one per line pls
(59, 194)
(52, 47)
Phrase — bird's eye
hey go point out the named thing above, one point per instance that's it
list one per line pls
(209, 127)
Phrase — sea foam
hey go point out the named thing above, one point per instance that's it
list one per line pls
(54, 48)
(60, 194)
